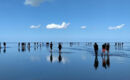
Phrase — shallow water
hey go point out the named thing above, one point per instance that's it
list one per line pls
(75, 62)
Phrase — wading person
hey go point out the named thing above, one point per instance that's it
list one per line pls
(51, 46)
(96, 48)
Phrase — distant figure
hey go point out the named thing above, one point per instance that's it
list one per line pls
(51, 46)
(60, 47)
(23, 47)
(71, 44)
(107, 47)
(4, 44)
(96, 48)
(60, 57)
(96, 62)
(29, 46)
(19, 47)
(34, 46)
(47, 44)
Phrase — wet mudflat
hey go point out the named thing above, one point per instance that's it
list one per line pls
(75, 61)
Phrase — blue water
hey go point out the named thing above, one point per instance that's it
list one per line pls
(77, 62)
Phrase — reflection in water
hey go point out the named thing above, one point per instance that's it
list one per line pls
(96, 62)
(105, 62)
(4, 51)
(51, 57)
(60, 57)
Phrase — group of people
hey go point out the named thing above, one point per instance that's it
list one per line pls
(105, 47)
(119, 45)
(51, 48)
(105, 62)
(4, 47)
(22, 46)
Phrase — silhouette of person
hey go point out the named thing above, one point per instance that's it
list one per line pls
(104, 48)
(29, 46)
(96, 62)
(4, 44)
(51, 46)
(96, 48)
(51, 57)
(60, 47)
(47, 44)
(107, 47)
(23, 47)
(34, 46)
(19, 47)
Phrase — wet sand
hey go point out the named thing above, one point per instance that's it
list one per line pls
(76, 61)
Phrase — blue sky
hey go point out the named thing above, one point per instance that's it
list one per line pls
(64, 20)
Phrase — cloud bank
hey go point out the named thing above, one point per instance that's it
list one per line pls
(34, 3)
(83, 27)
(57, 26)
(35, 26)
(116, 27)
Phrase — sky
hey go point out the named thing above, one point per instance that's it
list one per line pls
(64, 20)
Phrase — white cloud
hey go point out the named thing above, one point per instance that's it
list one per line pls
(57, 26)
(34, 2)
(83, 27)
(116, 27)
(35, 27)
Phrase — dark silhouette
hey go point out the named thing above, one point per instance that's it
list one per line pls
(108, 60)
(104, 48)
(29, 46)
(34, 46)
(96, 48)
(23, 47)
(51, 46)
(4, 44)
(104, 62)
(4, 51)
(96, 62)
(60, 47)
(51, 57)
(19, 47)
(60, 57)
(47, 44)
(107, 47)
(71, 44)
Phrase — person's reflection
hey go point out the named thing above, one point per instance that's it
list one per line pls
(108, 60)
(96, 62)
(104, 61)
(60, 57)
(51, 57)
(4, 51)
